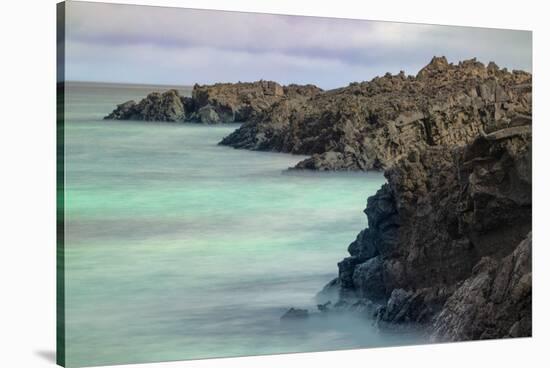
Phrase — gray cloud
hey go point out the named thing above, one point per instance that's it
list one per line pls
(139, 44)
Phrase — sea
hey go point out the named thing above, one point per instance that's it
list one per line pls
(178, 248)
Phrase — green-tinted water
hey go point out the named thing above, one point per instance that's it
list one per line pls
(177, 248)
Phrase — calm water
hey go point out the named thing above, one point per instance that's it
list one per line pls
(177, 248)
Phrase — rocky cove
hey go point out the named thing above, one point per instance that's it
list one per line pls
(448, 242)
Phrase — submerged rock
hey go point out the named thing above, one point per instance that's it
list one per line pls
(325, 307)
(295, 313)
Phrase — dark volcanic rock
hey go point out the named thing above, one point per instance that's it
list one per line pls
(494, 302)
(371, 125)
(442, 241)
(398, 307)
(212, 104)
(123, 111)
(208, 115)
(368, 279)
(167, 106)
(295, 313)
(234, 102)
(325, 307)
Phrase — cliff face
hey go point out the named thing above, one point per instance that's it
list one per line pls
(212, 104)
(494, 302)
(371, 125)
(448, 242)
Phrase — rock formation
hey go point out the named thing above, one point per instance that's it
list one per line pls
(167, 106)
(448, 243)
(494, 302)
(212, 104)
(371, 125)
(294, 313)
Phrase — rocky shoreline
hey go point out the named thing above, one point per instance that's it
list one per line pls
(212, 104)
(448, 245)
(371, 125)
(364, 126)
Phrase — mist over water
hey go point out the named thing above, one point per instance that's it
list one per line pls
(177, 248)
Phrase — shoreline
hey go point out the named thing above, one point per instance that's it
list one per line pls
(441, 224)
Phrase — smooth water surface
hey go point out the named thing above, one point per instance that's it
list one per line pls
(177, 248)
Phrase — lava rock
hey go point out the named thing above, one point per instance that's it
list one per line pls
(208, 115)
(444, 234)
(494, 302)
(372, 125)
(295, 313)
(167, 106)
(368, 279)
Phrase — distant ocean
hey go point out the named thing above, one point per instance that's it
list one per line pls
(177, 248)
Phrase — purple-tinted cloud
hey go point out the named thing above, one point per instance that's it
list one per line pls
(142, 44)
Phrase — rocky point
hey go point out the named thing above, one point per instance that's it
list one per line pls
(448, 242)
(211, 104)
(371, 125)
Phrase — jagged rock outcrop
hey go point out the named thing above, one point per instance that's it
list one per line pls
(295, 313)
(124, 111)
(448, 243)
(167, 106)
(494, 302)
(371, 125)
(212, 104)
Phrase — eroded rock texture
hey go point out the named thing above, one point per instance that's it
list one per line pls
(167, 106)
(212, 104)
(448, 243)
(494, 302)
(371, 125)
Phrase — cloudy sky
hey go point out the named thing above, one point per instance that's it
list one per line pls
(156, 45)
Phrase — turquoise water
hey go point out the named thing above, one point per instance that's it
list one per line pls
(177, 248)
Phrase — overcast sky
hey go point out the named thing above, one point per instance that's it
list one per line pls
(156, 45)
